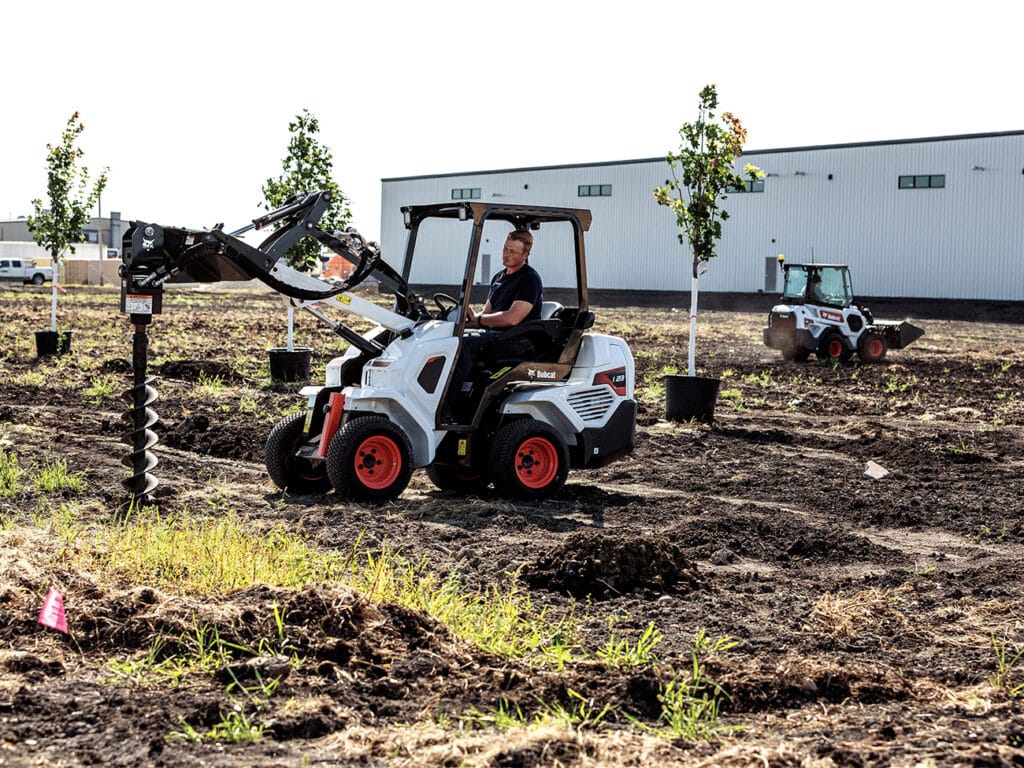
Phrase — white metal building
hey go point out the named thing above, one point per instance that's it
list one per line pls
(930, 218)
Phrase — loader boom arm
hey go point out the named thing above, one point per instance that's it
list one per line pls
(154, 255)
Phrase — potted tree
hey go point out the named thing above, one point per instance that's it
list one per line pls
(702, 175)
(58, 227)
(307, 167)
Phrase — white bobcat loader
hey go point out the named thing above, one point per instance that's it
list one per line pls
(817, 314)
(521, 425)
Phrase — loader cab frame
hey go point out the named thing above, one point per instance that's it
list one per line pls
(559, 335)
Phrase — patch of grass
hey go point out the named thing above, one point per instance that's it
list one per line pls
(54, 476)
(733, 398)
(620, 652)
(10, 474)
(209, 386)
(1009, 674)
(101, 388)
(690, 703)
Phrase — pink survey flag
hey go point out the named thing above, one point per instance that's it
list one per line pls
(52, 615)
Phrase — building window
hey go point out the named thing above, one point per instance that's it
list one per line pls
(466, 193)
(934, 181)
(90, 236)
(750, 185)
(595, 190)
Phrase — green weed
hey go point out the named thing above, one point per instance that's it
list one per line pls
(620, 652)
(1008, 677)
(101, 388)
(10, 474)
(54, 476)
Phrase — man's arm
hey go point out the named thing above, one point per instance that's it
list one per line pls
(512, 316)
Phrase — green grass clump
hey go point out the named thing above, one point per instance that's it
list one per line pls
(10, 474)
(54, 476)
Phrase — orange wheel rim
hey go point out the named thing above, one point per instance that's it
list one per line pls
(378, 462)
(835, 348)
(536, 462)
(875, 348)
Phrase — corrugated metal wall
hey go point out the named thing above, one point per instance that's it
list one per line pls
(833, 204)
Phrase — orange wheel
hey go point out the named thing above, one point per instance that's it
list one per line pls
(528, 460)
(378, 462)
(369, 459)
(872, 347)
(536, 462)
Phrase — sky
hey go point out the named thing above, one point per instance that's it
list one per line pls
(188, 103)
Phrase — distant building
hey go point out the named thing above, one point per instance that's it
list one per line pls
(925, 218)
(102, 237)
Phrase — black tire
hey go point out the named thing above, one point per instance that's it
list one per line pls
(872, 347)
(288, 471)
(37, 279)
(798, 354)
(831, 346)
(528, 460)
(369, 459)
(448, 478)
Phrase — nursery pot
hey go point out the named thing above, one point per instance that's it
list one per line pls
(287, 365)
(52, 343)
(690, 397)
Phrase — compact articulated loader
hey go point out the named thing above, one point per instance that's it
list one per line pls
(817, 314)
(381, 413)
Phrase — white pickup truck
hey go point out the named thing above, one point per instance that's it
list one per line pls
(24, 271)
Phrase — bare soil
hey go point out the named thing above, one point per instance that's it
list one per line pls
(864, 607)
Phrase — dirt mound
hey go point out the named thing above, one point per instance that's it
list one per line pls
(602, 566)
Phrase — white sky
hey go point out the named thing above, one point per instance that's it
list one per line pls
(188, 103)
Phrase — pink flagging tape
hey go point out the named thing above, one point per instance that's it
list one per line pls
(52, 615)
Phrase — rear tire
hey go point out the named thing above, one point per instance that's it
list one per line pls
(529, 460)
(872, 347)
(37, 279)
(832, 347)
(288, 471)
(369, 459)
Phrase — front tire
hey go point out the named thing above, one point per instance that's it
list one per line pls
(872, 347)
(529, 460)
(288, 471)
(369, 459)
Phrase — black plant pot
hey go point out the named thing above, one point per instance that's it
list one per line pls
(290, 365)
(52, 343)
(689, 398)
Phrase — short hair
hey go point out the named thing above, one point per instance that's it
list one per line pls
(524, 237)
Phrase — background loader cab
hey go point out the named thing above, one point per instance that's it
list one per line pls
(818, 314)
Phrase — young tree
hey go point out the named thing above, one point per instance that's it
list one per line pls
(702, 174)
(71, 200)
(308, 167)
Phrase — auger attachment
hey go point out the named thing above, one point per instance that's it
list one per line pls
(141, 417)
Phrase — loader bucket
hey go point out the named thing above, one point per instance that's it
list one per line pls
(908, 334)
(899, 334)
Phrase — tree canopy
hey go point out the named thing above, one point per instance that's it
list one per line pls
(307, 167)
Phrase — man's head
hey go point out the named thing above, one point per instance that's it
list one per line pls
(516, 250)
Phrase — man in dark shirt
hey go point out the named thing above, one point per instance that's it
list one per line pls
(516, 294)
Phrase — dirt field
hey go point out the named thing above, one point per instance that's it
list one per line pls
(867, 611)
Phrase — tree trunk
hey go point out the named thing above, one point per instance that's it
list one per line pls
(53, 293)
(691, 367)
